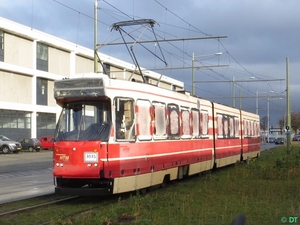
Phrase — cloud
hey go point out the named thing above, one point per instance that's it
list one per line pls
(261, 34)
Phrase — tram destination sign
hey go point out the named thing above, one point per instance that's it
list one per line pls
(81, 87)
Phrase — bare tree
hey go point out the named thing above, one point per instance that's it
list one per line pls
(295, 121)
(281, 122)
(264, 123)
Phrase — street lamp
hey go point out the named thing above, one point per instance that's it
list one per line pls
(193, 74)
(233, 87)
(257, 98)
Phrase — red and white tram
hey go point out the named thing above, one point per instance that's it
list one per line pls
(116, 136)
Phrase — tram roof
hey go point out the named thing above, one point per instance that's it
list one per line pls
(148, 74)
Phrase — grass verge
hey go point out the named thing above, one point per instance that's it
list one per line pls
(266, 191)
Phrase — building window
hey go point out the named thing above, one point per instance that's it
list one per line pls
(41, 92)
(46, 123)
(106, 68)
(42, 57)
(1, 46)
(15, 124)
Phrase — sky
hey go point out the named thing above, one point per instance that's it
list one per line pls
(257, 39)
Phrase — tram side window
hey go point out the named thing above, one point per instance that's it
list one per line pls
(185, 117)
(249, 128)
(196, 122)
(226, 126)
(174, 125)
(204, 122)
(160, 122)
(245, 122)
(236, 127)
(125, 120)
(231, 127)
(220, 125)
(257, 129)
(143, 120)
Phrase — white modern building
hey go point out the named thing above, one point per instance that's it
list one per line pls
(30, 61)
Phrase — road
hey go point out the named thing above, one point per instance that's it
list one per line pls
(267, 146)
(25, 175)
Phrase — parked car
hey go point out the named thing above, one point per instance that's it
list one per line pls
(271, 140)
(31, 144)
(279, 141)
(47, 142)
(7, 145)
(296, 137)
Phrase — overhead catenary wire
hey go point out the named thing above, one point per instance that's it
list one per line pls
(117, 13)
(79, 12)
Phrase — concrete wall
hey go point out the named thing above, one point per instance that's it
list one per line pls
(18, 51)
(58, 62)
(51, 100)
(16, 88)
(84, 65)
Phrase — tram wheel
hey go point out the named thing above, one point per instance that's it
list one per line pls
(165, 181)
(143, 191)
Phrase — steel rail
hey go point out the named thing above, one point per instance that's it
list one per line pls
(37, 206)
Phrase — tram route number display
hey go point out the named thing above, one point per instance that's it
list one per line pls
(91, 157)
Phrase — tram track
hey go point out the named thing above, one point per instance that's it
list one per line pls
(54, 207)
(68, 208)
(48, 210)
(24, 209)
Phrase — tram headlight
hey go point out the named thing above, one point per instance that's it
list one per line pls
(61, 164)
(89, 164)
(95, 164)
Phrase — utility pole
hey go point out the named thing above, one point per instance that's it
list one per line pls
(233, 92)
(268, 122)
(288, 109)
(95, 36)
(193, 75)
